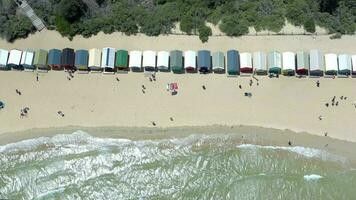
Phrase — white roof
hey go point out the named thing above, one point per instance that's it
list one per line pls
(94, 58)
(218, 59)
(330, 62)
(344, 62)
(190, 59)
(353, 63)
(149, 59)
(108, 58)
(316, 60)
(163, 59)
(15, 57)
(245, 60)
(27, 57)
(135, 59)
(288, 60)
(4, 54)
(259, 61)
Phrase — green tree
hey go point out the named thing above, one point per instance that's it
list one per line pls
(204, 33)
(309, 25)
(234, 26)
(71, 10)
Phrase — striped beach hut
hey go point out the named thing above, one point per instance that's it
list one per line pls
(345, 65)
(108, 60)
(176, 61)
(302, 63)
(94, 62)
(288, 63)
(81, 60)
(204, 61)
(316, 63)
(218, 62)
(4, 55)
(40, 60)
(54, 59)
(27, 60)
(233, 62)
(135, 61)
(353, 58)
(259, 62)
(163, 61)
(190, 62)
(14, 59)
(67, 59)
(122, 60)
(246, 63)
(274, 62)
(149, 60)
(331, 65)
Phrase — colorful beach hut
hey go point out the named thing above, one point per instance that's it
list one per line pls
(288, 63)
(54, 59)
(218, 62)
(81, 61)
(4, 55)
(302, 63)
(135, 61)
(108, 60)
(190, 61)
(259, 62)
(149, 60)
(274, 62)
(67, 59)
(27, 60)
(176, 61)
(204, 61)
(345, 63)
(163, 61)
(353, 58)
(331, 65)
(246, 63)
(316, 63)
(14, 59)
(94, 62)
(122, 60)
(233, 62)
(40, 60)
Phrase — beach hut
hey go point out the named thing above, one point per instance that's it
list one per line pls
(204, 61)
(149, 60)
(246, 63)
(67, 59)
(288, 63)
(176, 61)
(108, 60)
(27, 60)
(122, 60)
(331, 65)
(344, 65)
(302, 63)
(353, 58)
(14, 59)
(233, 62)
(54, 59)
(316, 63)
(274, 62)
(81, 61)
(259, 62)
(40, 60)
(218, 62)
(94, 62)
(190, 61)
(163, 61)
(4, 55)
(135, 61)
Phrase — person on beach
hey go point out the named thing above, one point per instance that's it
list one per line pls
(37, 77)
(250, 82)
(320, 117)
(327, 104)
(289, 143)
(203, 86)
(143, 87)
(317, 83)
(117, 79)
(240, 86)
(153, 123)
(143, 91)
(171, 118)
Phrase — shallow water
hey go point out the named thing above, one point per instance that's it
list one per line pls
(79, 166)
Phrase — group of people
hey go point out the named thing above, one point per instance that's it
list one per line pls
(24, 112)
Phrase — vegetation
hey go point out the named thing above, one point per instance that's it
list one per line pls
(155, 17)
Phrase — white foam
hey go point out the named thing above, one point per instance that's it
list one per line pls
(312, 177)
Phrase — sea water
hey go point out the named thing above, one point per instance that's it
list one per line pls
(79, 166)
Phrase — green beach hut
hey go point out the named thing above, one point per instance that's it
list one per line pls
(81, 61)
(40, 60)
(274, 62)
(122, 60)
(176, 61)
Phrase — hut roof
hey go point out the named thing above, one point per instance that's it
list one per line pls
(135, 59)
(14, 57)
(218, 60)
(4, 55)
(149, 59)
(274, 60)
(288, 60)
(163, 59)
(190, 59)
(316, 60)
(302, 60)
(54, 57)
(204, 59)
(233, 62)
(330, 62)
(344, 62)
(68, 57)
(81, 59)
(259, 61)
(122, 58)
(27, 59)
(108, 58)
(176, 62)
(94, 58)
(40, 59)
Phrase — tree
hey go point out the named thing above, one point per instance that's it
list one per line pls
(309, 25)
(71, 10)
(233, 26)
(204, 33)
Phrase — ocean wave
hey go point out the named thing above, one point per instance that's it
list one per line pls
(312, 177)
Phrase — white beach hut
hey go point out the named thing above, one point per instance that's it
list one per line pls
(345, 65)
(190, 62)
(163, 60)
(259, 62)
(135, 61)
(149, 60)
(330, 64)
(288, 63)
(14, 59)
(94, 62)
(353, 58)
(108, 60)
(246, 63)
(4, 55)
(218, 62)
(316, 63)
(27, 60)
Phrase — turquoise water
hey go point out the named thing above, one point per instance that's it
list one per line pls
(79, 166)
